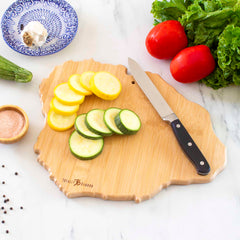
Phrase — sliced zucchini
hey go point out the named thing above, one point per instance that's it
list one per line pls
(82, 129)
(84, 148)
(109, 116)
(95, 123)
(128, 122)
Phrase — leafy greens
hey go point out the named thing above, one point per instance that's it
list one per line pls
(215, 23)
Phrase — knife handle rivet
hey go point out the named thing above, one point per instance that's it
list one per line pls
(202, 163)
(178, 125)
(189, 144)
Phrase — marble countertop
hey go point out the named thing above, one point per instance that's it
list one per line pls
(109, 31)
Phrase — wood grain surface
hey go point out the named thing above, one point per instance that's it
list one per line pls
(130, 167)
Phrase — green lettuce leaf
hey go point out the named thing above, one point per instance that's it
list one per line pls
(228, 52)
(203, 23)
(169, 10)
(217, 79)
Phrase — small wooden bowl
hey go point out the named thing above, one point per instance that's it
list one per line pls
(23, 130)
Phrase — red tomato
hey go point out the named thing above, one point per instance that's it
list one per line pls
(192, 64)
(166, 39)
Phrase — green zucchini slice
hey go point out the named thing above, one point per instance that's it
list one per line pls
(128, 122)
(109, 117)
(95, 123)
(84, 148)
(82, 129)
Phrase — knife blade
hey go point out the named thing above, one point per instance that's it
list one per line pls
(166, 113)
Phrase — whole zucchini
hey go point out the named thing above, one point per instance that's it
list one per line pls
(11, 71)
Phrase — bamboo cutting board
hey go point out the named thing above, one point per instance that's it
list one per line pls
(130, 167)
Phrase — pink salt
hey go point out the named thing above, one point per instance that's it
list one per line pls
(11, 123)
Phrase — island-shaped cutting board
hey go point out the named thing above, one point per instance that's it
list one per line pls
(132, 167)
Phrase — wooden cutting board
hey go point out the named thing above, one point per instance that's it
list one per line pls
(130, 167)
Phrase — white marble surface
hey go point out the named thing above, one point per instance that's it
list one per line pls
(110, 31)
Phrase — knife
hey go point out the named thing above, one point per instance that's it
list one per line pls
(166, 113)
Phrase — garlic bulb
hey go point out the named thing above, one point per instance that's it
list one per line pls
(34, 34)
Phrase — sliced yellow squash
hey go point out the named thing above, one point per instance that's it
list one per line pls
(67, 96)
(105, 85)
(85, 80)
(63, 109)
(60, 122)
(51, 104)
(74, 84)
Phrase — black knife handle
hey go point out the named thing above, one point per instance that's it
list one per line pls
(190, 148)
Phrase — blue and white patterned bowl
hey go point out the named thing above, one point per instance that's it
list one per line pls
(57, 16)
